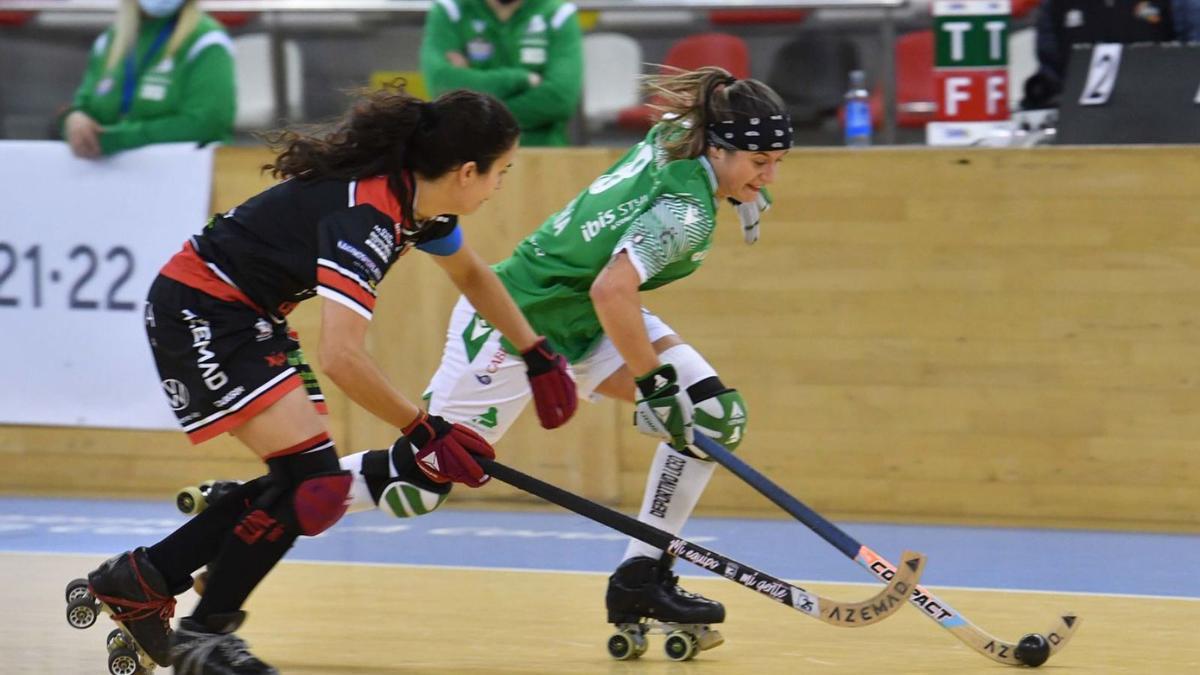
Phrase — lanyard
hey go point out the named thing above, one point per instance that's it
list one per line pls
(131, 68)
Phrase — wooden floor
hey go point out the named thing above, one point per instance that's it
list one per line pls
(327, 618)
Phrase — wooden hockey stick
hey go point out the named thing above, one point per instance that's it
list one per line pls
(842, 614)
(1014, 654)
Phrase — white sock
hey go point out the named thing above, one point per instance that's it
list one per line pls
(360, 496)
(673, 487)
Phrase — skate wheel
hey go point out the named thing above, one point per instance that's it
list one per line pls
(640, 645)
(622, 646)
(116, 638)
(710, 639)
(200, 582)
(680, 646)
(190, 500)
(78, 588)
(124, 661)
(81, 612)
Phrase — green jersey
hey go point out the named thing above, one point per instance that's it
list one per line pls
(542, 36)
(187, 96)
(661, 213)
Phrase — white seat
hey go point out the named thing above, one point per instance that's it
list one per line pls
(1022, 62)
(612, 66)
(255, 82)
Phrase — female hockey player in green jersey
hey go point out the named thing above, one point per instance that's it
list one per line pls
(644, 223)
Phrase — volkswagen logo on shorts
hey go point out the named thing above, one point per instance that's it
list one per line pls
(177, 394)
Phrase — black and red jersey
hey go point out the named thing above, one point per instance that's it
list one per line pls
(300, 238)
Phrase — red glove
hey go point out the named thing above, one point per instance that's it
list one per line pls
(445, 452)
(553, 388)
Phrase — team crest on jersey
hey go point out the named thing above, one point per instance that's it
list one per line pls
(263, 330)
(480, 49)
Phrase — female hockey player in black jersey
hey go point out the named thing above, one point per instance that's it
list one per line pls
(391, 176)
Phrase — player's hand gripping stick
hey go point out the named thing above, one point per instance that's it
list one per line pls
(446, 452)
(663, 409)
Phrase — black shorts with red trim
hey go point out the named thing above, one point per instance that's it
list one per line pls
(221, 361)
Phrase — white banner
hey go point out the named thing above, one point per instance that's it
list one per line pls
(80, 243)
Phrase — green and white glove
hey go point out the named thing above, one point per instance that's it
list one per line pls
(664, 410)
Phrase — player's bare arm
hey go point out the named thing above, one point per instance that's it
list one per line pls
(472, 276)
(614, 294)
(344, 359)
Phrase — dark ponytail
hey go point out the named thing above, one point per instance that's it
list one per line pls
(388, 131)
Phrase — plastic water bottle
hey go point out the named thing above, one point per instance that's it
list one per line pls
(858, 111)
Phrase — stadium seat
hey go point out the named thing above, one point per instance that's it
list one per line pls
(916, 93)
(727, 17)
(1022, 62)
(255, 82)
(811, 73)
(1021, 8)
(15, 18)
(612, 64)
(695, 51)
(233, 19)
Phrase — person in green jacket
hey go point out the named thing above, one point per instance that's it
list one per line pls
(163, 72)
(527, 53)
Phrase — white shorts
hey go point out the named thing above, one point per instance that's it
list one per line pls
(484, 387)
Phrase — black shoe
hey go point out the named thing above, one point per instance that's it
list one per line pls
(211, 648)
(139, 599)
(643, 587)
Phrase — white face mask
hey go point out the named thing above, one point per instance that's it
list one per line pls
(160, 8)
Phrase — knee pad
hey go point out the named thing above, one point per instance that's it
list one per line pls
(718, 412)
(312, 489)
(397, 486)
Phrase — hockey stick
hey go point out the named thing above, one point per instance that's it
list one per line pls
(1034, 648)
(843, 614)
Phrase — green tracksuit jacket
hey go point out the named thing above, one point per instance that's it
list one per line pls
(542, 37)
(188, 97)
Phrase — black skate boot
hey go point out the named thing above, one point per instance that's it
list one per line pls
(211, 648)
(136, 595)
(644, 596)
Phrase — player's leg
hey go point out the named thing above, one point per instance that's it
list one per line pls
(305, 494)
(643, 585)
(224, 368)
(477, 384)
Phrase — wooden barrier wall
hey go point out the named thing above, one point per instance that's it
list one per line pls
(986, 335)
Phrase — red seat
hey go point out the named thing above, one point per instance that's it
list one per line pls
(695, 51)
(724, 17)
(1022, 7)
(233, 19)
(916, 92)
(14, 18)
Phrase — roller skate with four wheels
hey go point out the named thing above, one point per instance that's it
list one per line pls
(644, 597)
(210, 646)
(129, 589)
(195, 498)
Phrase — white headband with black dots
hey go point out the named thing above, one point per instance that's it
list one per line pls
(757, 134)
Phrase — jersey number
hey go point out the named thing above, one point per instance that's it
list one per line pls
(634, 167)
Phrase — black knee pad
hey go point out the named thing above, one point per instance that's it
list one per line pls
(309, 491)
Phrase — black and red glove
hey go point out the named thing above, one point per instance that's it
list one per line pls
(446, 452)
(553, 389)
